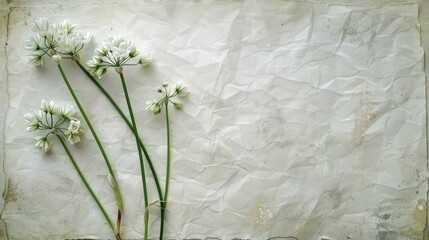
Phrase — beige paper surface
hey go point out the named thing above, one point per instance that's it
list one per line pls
(303, 119)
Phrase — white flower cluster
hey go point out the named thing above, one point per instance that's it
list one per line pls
(56, 120)
(156, 106)
(55, 39)
(115, 52)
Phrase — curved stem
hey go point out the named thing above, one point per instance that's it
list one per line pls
(118, 225)
(136, 134)
(118, 109)
(167, 175)
(94, 196)
(148, 159)
(100, 146)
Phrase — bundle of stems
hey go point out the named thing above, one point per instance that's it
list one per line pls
(141, 146)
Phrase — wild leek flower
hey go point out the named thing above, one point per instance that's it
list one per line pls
(156, 106)
(53, 120)
(62, 39)
(115, 52)
(144, 61)
(61, 122)
(100, 71)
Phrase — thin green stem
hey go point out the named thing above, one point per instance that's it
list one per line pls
(167, 175)
(148, 159)
(142, 170)
(161, 229)
(118, 109)
(94, 196)
(100, 146)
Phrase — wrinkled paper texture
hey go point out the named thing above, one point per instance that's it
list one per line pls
(303, 119)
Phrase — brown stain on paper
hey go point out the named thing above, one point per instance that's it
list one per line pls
(364, 115)
(419, 214)
(10, 194)
(420, 211)
(261, 215)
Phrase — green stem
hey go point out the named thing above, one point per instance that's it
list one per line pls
(87, 185)
(100, 146)
(148, 159)
(167, 175)
(161, 229)
(136, 134)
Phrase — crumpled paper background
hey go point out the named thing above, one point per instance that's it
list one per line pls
(303, 119)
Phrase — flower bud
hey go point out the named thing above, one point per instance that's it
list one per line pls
(56, 58)
(133, 53)
(43, 143)
(181, 90)
(144, 60)
(177, 105)
(100, 71)
(118, 69)
(153, 106)
(101, 51)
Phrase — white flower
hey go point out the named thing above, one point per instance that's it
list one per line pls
(75, 126)
(43, 143)
(34, 43)
(74, 131)
(96, 67)
(33, 122)
(156, 106)
(62, 39)
(101, 52)
(73, 139)
(48, 107)
(95, 61)
(72, 43)
(118, 48)
(180, 90)
(68, 111)
(58, 32)
(40, 115)
(114, 52)
(153, 106)
(53, 120)
(145, 60)
(41, 27)
(36, 57)
(123, 50)
(67, 39)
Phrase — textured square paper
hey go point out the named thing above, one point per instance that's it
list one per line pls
(303, 119)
